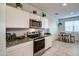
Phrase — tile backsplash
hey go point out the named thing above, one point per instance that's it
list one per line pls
(18, 32)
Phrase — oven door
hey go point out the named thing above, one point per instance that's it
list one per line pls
(39, 44)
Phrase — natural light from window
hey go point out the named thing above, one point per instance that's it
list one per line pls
(72, 26)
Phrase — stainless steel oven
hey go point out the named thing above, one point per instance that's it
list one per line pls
(39, 45)
(38, 42)
(35, 24)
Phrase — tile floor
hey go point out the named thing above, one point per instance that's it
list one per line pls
(63, 49)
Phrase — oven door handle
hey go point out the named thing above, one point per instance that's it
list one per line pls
(38, 40)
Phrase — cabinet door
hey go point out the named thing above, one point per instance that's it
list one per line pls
(44, 22)
(15, 51)
(18, 52)
(26, 20)
(16, 18)
(48, 42)
(28, 50)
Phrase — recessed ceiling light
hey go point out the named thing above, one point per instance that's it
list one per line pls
(64, 4)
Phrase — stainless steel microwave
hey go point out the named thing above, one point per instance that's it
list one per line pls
(35, 24)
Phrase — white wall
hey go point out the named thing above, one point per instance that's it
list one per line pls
(53, 26)
(2, 30)
(30, 8)
(19, 32)
(27, 7)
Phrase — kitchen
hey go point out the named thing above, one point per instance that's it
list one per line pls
(39, 29)
(26, 30)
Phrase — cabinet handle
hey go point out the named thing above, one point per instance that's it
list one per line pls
(38, 40)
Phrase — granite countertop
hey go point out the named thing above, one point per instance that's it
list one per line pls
(18, 41)
(46, 35)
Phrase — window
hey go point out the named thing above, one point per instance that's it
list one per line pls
(76, 26)
(72, 26)
(69, 26)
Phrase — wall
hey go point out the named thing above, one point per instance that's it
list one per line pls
(2, 30)
(19, 32)
(27, 7)
(62, 28)
(53, 26)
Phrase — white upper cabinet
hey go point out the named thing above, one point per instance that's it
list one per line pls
(44, 22)
(34, 17)
(16, 18)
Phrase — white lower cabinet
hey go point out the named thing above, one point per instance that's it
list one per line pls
(28, 50)
(14, 51)
(48, 42)
(25, 49)
(17, 52)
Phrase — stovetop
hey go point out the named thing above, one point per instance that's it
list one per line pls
(39, 37)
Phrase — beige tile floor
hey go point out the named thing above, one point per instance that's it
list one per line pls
(63, 49)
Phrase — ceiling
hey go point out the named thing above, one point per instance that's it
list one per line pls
(57, 10)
